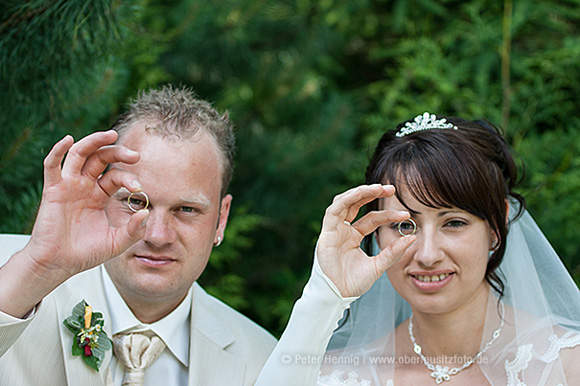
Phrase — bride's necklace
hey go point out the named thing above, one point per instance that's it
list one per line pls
(444, 373)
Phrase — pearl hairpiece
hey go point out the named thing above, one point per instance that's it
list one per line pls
(425, 122)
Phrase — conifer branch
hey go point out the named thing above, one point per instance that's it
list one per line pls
(505, 62)
(16, 18)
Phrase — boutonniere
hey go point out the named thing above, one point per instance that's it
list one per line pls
(90, 340)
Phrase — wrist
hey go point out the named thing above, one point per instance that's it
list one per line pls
(24, 283)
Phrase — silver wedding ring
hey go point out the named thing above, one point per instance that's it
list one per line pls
(406, 232)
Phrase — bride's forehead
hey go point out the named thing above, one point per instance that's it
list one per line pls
(407, 200)
(430, 189)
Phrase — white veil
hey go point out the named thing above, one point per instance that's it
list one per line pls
(538, 343)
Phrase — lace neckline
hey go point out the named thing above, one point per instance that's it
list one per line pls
(513, 368)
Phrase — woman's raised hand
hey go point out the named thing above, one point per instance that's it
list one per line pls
(338, 248)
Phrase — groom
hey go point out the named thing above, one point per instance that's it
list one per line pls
(130, 243)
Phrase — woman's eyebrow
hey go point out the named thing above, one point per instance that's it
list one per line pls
(452, 211)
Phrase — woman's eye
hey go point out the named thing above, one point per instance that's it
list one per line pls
(403, 226)
(407, 227)
(456, 223)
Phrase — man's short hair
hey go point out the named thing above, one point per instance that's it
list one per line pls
(178, 112)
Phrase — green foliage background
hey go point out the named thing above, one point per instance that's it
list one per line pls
(311, 85)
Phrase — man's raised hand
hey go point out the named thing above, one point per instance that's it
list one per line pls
(71, 232)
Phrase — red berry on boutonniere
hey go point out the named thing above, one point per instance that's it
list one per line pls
(88, 351)
(90, 340)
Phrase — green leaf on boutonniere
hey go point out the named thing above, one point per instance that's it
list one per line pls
(76, 348)
(92, 361)
(89, 338)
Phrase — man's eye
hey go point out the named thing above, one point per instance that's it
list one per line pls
(187, 209)
(137, 201)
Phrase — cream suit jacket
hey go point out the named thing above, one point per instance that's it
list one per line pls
(226, 348)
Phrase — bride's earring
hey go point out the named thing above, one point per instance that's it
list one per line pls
(494, 246)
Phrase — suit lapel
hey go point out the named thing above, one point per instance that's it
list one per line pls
(88, 286)
(209, 362)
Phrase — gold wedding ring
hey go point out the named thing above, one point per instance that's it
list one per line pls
(138, 201)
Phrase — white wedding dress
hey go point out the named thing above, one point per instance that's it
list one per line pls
(538, 346)
(316, 316)
(338, 378)
(513, 369)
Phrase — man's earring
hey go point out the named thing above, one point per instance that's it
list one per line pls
(218, 242)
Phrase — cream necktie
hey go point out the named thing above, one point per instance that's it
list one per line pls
(137, 351)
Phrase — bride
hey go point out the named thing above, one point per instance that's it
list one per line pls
(444, 293)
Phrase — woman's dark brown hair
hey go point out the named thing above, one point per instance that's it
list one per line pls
(470, 168)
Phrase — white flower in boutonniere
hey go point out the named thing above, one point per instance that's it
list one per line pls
(90, 340)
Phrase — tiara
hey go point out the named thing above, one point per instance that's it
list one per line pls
(425, 122)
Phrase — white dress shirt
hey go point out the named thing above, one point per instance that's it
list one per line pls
(7, 319)
(171, 368)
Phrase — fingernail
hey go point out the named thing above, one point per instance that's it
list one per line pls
(144, 221)
(136, 186)
(130, 152)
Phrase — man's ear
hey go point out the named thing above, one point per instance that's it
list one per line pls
(223, 218)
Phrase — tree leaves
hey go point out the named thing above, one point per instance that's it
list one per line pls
(310, 86)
